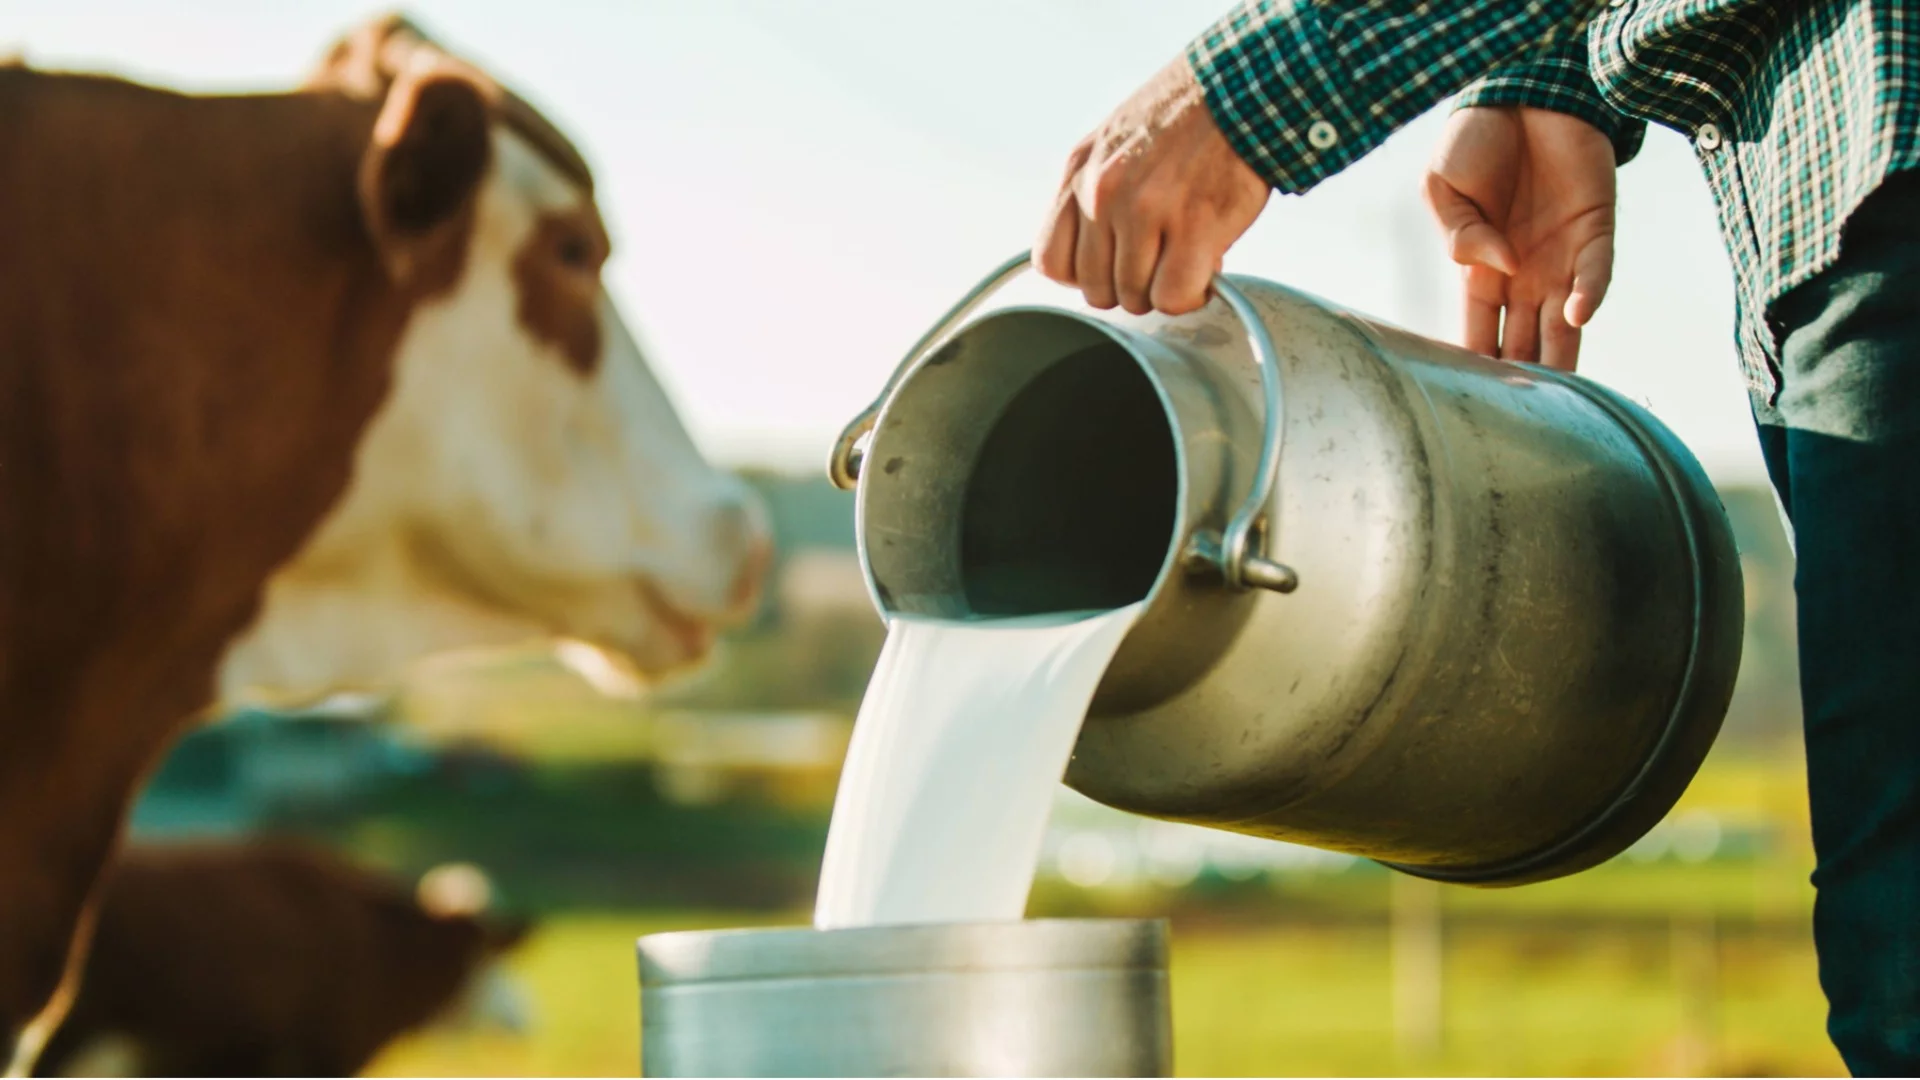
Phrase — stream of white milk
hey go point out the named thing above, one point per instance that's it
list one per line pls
(963, 735)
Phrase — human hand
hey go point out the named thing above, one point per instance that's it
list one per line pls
(1526, 198)
(1150, 202)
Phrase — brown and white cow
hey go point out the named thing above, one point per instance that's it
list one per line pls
(266, 959)
(295, 388)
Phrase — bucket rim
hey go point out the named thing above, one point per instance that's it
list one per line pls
(686, 957)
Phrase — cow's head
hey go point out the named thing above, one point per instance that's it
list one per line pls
(526, 476)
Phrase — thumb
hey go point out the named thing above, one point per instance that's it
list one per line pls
(1592, 273)
(1471, 239)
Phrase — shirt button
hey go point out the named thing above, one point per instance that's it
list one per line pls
(1322, 136)
(1707, 138)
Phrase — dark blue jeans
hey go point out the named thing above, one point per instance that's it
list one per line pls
(1842, 445)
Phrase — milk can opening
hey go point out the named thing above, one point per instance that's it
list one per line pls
(1029, 466)
(1070, 506)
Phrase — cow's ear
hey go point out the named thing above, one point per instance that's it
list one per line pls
(429, 150)
(363, 63)
(506, 932)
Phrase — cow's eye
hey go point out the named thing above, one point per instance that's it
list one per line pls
(575, 252)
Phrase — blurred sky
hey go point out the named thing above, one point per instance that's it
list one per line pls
(797, 188)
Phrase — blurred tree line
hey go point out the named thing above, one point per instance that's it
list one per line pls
(683, 796)
(816, 638)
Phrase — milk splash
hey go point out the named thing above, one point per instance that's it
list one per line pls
(964, 732)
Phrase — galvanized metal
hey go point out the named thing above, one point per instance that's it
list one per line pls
(1518, 609)
(1050, 997)
(1239, 560)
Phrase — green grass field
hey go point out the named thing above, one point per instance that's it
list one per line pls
(1638, 967)
(1280, 1000)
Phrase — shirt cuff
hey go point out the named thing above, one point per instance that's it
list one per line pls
(1303, 88)
(1558, 79)
(1267, 71)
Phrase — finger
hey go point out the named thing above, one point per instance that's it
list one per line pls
(1485, 294)
(1077, 160)
(1520, 336)
(1592, 273)
(1559, 339)
(1480, 244)
(1093, 263)
(1135, 252)
(1053, 252)
(1188, 261)
(1472, 240)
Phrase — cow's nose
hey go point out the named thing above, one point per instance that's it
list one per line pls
(739, 532)
(736, 523)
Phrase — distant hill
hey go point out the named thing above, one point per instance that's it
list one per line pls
(810, 514)
(807, 511)
(1766, 703)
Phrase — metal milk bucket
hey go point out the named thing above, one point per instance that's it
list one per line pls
(1475, 619)
(1048, 997)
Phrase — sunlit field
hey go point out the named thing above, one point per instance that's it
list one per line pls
(1650, 965)
(1278, 1000)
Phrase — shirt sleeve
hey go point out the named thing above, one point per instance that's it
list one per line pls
(1558, 78)
(1303, 88)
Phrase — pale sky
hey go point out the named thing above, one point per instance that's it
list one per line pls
(797, 189)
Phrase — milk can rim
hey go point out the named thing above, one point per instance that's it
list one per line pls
(1139, 347)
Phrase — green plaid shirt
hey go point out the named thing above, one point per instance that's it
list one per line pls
(1797, 109)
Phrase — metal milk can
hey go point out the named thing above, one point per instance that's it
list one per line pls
(1474, 619)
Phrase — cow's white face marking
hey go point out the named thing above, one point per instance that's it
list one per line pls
(507, 492)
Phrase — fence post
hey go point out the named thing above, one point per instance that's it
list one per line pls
(1696, 976)
(1418, 957)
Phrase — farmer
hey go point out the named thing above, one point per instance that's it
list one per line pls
(1806, 118)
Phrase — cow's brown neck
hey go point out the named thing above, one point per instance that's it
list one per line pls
(194, 328)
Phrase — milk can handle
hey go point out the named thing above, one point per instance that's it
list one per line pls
(1232, 553)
